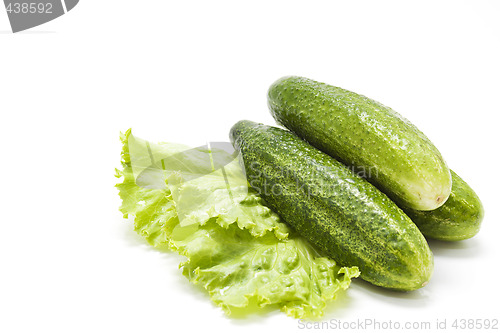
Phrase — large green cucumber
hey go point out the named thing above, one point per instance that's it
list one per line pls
(459, 218)
(374, 140)
(341, 213)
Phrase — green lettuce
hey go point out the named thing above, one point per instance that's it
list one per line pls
(197, 202)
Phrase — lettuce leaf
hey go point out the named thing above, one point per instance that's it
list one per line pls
(237, 269)
(173, 177)
(236, 247)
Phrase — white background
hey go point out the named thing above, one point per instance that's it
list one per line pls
(185, 71)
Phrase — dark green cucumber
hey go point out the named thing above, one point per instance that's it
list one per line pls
(341, 213)
(371, 138)
(459, 218)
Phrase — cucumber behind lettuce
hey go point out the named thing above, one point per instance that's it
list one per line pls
(348, 218)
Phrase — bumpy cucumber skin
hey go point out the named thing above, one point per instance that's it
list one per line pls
(342, 214)
(366, 135)
(459, 218)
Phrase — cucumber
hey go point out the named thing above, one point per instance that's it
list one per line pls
(459, 218)
(371, 138)
(344, 215)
